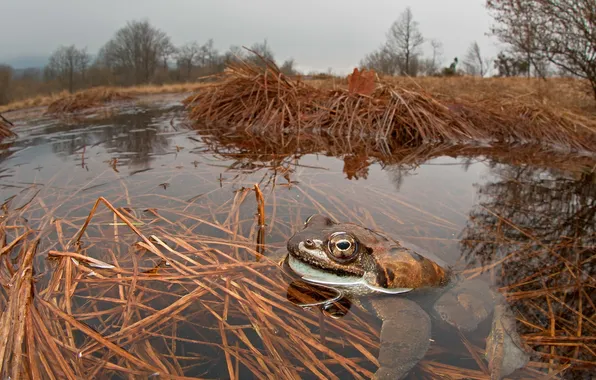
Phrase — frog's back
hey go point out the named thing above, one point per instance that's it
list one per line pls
(404, 265)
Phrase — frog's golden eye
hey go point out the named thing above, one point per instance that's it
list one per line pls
(342, 247)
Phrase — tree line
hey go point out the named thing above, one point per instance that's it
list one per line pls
(541, 38)
(401, 53)
(546, 34)
(137, 54)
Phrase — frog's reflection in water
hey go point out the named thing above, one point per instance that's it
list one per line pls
(329, 300)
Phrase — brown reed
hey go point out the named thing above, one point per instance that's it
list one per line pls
(5, 128)
(262, 101)
(86, 99)
(108, 288)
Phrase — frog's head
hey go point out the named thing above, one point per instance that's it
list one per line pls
(355, 258)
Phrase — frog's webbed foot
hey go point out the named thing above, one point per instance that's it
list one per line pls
(405, 336)
(505, 350)
(466, 305)
(469, 303)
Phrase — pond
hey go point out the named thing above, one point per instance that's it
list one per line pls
(184, 280)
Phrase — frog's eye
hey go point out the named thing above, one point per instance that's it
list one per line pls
(342, 247)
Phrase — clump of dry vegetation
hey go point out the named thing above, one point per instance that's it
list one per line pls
(255, 101)
(108, 289)
(86, 99)
(43, 101)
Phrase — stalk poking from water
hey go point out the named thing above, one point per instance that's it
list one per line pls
(5, 128)
(261, 220)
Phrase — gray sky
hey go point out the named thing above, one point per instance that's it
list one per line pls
(317, 34)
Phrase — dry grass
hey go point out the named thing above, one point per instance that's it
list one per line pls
(265, 102)
(531, 229)
(46, 100)
(565, 94)
(36, 101)
(562, 94)
(107, 289)
(85, 100)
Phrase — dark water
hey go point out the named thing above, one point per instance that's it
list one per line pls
(531, 225)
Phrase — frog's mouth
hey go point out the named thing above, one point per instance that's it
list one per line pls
(311, 273)
(315, 275)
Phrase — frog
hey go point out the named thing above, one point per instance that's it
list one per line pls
(408, 289)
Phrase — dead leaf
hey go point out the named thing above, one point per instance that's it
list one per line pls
(361, 82)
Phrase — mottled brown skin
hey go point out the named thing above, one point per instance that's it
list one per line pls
(385, 263)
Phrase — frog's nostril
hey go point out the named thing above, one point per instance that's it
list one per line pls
(309, 243)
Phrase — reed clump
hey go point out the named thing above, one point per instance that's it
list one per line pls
(45, 100)
(86, 99)
(263, 101)
(5, 128)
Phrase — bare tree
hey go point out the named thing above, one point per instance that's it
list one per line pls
(135, 52)
(473, 61)
(404, 39)
(509, 66)
(67, 65)
(186, 57)
(167, 51)
(561, 32)
(233, 54)
(383, 61)
(264, 50)
(288, 67)
(431, 66)
(209, 57)
(515, 27)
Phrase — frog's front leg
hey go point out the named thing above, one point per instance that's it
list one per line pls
(505, 350)
(469, 303)
(405, 336)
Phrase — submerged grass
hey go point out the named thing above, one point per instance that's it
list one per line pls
(126, 312)
(264, 102)
(107, 289)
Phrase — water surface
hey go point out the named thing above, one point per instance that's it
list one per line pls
(527, 229)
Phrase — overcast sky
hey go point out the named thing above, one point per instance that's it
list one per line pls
(317, 34)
